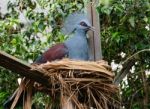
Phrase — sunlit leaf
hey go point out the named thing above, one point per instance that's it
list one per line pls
(132, 21)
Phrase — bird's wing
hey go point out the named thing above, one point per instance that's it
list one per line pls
(57, 51)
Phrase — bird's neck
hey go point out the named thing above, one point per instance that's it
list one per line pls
(80, 32)
(78, 36)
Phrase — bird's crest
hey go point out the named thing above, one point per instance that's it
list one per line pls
(72, 20)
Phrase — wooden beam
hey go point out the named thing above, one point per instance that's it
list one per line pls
(24, 69)
(95, 41)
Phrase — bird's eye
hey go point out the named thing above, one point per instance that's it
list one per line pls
(83, 24)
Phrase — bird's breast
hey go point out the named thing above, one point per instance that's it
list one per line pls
(78, 48)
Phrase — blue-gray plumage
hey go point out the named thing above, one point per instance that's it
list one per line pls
(77, 24)
(77, 45)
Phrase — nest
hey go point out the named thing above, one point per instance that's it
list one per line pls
(75, 84)
(83, 84)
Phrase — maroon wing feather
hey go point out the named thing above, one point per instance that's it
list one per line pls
(57, 51)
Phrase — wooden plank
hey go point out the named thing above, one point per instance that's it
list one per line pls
(91, 35)
(95, 41)
(17, 66)
(96, 24)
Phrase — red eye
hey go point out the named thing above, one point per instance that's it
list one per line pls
(83, 24)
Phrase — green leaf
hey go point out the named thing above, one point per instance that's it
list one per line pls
(145, 19)
(14, 41)
(132, 21)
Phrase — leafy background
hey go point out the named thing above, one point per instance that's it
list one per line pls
(29, 27)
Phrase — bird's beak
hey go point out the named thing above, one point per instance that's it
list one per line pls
(92, 28)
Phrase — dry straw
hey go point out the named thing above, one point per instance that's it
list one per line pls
(83, 84)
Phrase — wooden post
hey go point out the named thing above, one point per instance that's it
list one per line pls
(94, 40)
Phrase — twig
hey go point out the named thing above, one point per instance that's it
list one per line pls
(135, 54)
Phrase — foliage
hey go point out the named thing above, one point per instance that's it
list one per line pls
(125, 30)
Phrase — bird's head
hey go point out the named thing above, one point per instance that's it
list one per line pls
(76, 21)
(84, 25)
